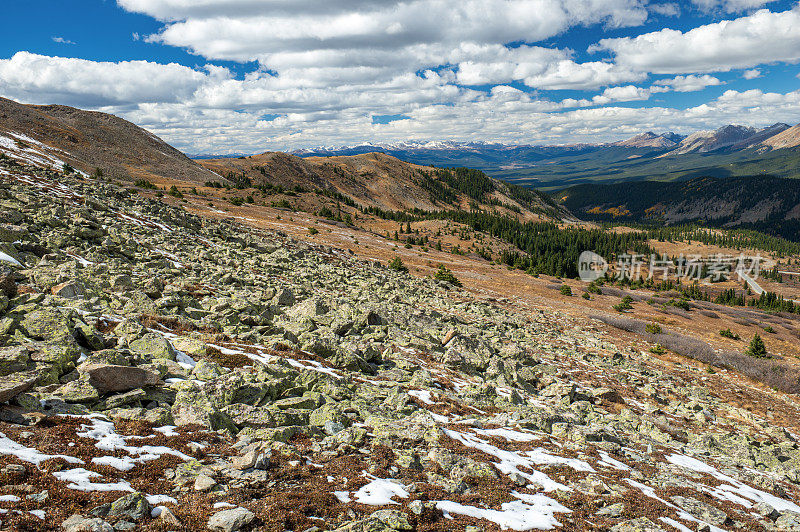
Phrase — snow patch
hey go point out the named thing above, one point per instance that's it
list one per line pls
(80, 479)
(531, 511)
(422, 395)
(8, 258)
(28, 454)
(508, 434)
(734, 491)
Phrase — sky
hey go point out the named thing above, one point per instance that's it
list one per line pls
(247, 76)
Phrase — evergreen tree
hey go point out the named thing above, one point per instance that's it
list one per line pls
(757, 349)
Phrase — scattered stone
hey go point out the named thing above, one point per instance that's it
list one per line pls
(17, 383)
(8, 286)
(109, 378)
(231, 520)
(133, 506)
(77, 523)
(68, 290)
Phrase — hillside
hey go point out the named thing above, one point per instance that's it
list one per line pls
(87, 140)
(267, 383)
(789, 138)
(765, 203)
(385, 182)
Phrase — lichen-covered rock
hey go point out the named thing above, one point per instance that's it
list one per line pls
(78, 391)
(62, 356)
(193, 347)
(48, 324)
(152, 346)
(17, 383)
(133, 506)
(194, 406)
(109, 378)
(14, 359)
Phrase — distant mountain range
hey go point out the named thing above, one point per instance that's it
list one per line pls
(729, 150)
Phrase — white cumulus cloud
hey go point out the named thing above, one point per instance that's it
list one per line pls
(690, 83)
(730, 6)
(748, 41)
(44, 79)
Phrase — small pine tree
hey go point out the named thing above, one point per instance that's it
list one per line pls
(447, 276)
(757, 349)
(397, 265)
(565, 290)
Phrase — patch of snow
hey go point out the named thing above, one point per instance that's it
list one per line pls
(223, 505)
(511, 461)
(440, 418)
(28, 454)
(83, 262)
(9, 498)
(38, 513)
(122, 464)
(508, 434)
(312, 365)
(734, 491)
(343, 496)
(607, 461)
(422, 395)
(160, 499)
(650, 492)
(79, 479)
(108, 440)
(531, 511)
(167, 430)
(379, 492)
(185, 360)
(674, 523)
(8, 258)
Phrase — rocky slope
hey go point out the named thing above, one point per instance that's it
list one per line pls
(166, 372)
(55, 134)
(788, 138)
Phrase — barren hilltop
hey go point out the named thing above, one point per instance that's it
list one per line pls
(361, 344)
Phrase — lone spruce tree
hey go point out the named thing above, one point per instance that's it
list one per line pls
(757, 349)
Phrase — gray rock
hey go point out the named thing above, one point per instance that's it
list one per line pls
(231, 520)
(78, 523)
(133, 506)
(14, 359)
(13, 385)
(108, 378)
(204, 483)
(8, 285)
(68, 290)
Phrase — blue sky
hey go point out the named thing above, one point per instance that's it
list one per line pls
(221, 76)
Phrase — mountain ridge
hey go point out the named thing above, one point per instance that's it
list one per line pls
(91, 140)
(379, 180)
